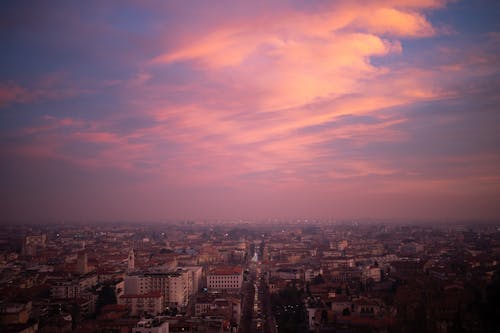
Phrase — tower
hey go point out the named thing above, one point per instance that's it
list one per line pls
(82, 263)
(131, 261)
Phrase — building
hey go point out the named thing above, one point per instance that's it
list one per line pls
(372, 273)
(225, 278)
(362, 307)
(15, 313)
(196, 278)
(33, 243)
(82, 263)
(139, 304)
(310, 274)
(179, 288)
(72, 288)
(151, 326)
(286, 273)
(209, 305)
(175, 287)
(131, 261)
(65, 289)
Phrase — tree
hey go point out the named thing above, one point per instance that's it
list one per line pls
(318, 279)
(106, 296)
(324, 316)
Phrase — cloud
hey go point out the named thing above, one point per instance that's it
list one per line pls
(296, 58)
(53, 86)
(10, 93)
(300, 100)
(395, 22)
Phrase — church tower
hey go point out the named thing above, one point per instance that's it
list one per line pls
(82, 263)
(131, 261)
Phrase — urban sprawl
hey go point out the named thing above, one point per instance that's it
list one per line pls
(245, 276)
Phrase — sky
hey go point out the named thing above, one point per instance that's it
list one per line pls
(158, 110)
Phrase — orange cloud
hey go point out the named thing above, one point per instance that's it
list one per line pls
(395, 22)
(298, 58)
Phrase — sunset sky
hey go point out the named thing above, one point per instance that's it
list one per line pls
(155, 110)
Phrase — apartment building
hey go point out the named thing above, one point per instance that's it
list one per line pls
(228, 278)
(139, 304)
(175, 287)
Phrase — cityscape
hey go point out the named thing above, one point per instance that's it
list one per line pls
(250, 166)
(246, 276)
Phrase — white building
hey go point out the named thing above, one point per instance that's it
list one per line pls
(196, 278)
(179, 288)
(175, 287)
(225, 278)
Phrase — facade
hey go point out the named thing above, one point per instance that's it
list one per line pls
(179, 288)
(229, 308)
(225, 278)
(65, 290)
(359, 307)
(72, 288)
(138, 304)
(196, 278)
(175, 287)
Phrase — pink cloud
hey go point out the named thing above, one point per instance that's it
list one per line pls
(12, 93)
(54, 86)
(395, 22)
(302, 57)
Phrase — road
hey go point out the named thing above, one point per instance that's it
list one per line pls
(269, 321)
(247, 304)
(257, 316)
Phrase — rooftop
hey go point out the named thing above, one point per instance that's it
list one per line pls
(230, 270)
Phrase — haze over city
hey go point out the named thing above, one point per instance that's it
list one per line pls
(157, 110)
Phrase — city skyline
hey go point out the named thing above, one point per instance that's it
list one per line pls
(156, 111)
